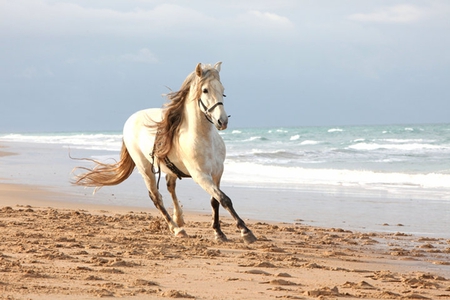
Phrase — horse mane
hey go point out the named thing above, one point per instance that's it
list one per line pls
(173, 111)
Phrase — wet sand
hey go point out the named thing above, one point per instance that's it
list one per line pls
(67, 250)
(55, 245)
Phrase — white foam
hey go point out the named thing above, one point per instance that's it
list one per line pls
(292, 177)
(309, 142)
(295, 137)
(253, 138)
(403, 147)
(95, 141)
(335, 130)
(402, 141)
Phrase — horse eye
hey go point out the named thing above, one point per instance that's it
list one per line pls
(224, 95)
(205, 91)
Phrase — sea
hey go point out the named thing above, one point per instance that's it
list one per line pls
(402, 167)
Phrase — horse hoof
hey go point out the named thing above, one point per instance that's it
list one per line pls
(221, 238)
(249, 237)
(180, 233)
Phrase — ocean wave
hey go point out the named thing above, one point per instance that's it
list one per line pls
(294, 176)
(402, 141)
(309, 142)
(335, 130)
(274, 155)
(255, 138)
(94, 141)
(402, 147)
(294, 137)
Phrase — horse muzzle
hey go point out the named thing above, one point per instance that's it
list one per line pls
(222, 123)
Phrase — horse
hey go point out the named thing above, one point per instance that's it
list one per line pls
(181, 140)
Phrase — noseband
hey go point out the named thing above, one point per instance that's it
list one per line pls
(207, 110)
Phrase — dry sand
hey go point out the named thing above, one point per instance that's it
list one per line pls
(52, 250)
(54, 247)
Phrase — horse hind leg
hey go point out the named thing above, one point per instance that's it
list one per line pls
(174, 228)
(177, 211)
(156, 197)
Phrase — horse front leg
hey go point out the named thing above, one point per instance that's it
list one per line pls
(219, 197)
(220, 236)
(246, 233)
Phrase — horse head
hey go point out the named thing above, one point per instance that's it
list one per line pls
(210, 94)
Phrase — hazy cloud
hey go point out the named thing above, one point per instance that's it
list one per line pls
(270, 19)
(33, 72)
(63, 18)
(143, 56)
(320, 57)
(44, 18)
(394, 14)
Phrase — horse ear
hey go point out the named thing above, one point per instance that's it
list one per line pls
(199, 70)
(217, 66)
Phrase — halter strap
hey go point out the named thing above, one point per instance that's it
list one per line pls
(207, 110)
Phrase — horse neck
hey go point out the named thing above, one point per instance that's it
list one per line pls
(195, 122)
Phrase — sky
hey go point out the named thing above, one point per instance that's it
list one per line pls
(87, 65)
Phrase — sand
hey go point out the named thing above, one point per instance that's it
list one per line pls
(55, 246)
(53, 250)
(5, 153)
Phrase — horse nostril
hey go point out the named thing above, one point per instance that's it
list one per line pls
(224, 124)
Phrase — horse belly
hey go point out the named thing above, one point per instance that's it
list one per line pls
(140, 130)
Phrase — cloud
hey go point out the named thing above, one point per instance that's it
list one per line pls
(33, 72)
(144, 56)
(394, 14)
(260, 19)
(40, 17)
(272, 18)
(74, 19)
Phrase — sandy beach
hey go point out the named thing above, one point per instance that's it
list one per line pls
(55, 246)
(53, 252)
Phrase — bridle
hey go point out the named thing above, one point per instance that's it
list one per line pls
(207, 111)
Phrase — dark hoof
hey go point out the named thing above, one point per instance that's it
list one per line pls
(249, 237)
(221, 237)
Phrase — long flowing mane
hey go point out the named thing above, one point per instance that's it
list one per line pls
(173, 113)
(181, 129)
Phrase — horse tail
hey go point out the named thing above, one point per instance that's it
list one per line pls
(106, 174)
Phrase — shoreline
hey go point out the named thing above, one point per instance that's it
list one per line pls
(49, 166)
(63, 243)
(70, 250)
